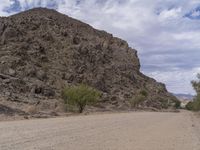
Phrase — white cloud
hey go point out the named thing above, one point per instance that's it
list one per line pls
(177, 81)
(171, 14)
(195, 14)
(4, 4)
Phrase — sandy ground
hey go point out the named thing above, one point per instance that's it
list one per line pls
(123, 131)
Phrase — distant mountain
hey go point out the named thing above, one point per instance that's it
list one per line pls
(184, 96)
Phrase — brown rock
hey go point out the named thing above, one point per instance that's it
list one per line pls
(63, 51)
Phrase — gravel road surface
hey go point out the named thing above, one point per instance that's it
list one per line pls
(117, 131)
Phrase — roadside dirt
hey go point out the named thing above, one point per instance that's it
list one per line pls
(123, 131)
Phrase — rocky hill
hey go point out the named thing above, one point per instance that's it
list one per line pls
(42, 51)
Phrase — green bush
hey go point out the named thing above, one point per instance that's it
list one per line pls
(163, 101)
(139, 98)
(177, 104)
(189, 106)
(144, 93)
(195, 104)
(135, 101)
(80, 96)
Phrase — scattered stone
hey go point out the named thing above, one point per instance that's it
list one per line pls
(11, 72)
(6, 81)
(10, 111)
(8, 94)
(49, 92)
(76, 40)
(41, 75)
(26, 117)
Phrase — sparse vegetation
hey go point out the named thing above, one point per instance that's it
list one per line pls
(138, 99)
(144, 93)
(163, 102)
(195, 104)
(80, 96)
(189, 106)
(135, 101)
(177, 104)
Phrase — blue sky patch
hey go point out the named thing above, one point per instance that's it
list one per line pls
(194, 14)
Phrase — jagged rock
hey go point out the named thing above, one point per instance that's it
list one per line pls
(48, 51)
(41, 75)
(9, 34)
(38, 90)
(11, 72)
(76, 40)
(49, 92)
(10, 111)
(2, 28)
(30, 71)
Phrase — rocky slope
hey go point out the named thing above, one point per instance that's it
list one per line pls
(42, 51)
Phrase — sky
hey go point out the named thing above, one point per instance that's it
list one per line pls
(166, 33)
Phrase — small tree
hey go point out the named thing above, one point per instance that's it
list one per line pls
(195, 105)
(196, 84)
(80, 96)
(144, 93)
(189, 106)
(177, 104)
(135, 101)
(138, 98)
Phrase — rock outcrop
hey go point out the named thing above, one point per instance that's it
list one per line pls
(42, 51)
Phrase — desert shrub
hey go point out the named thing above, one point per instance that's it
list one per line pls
(195, 104)
(144, 93)
(189, 106)
(135, 101)
(163, 101)
(80, 96)
(177, 104)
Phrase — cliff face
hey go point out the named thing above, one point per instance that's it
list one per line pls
(42, 51)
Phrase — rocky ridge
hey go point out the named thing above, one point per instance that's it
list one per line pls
(42, 51)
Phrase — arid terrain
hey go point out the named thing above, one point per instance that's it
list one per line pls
(120, 131)
(52, 65)
(43, 51)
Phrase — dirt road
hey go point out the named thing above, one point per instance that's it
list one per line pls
(123, 131)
